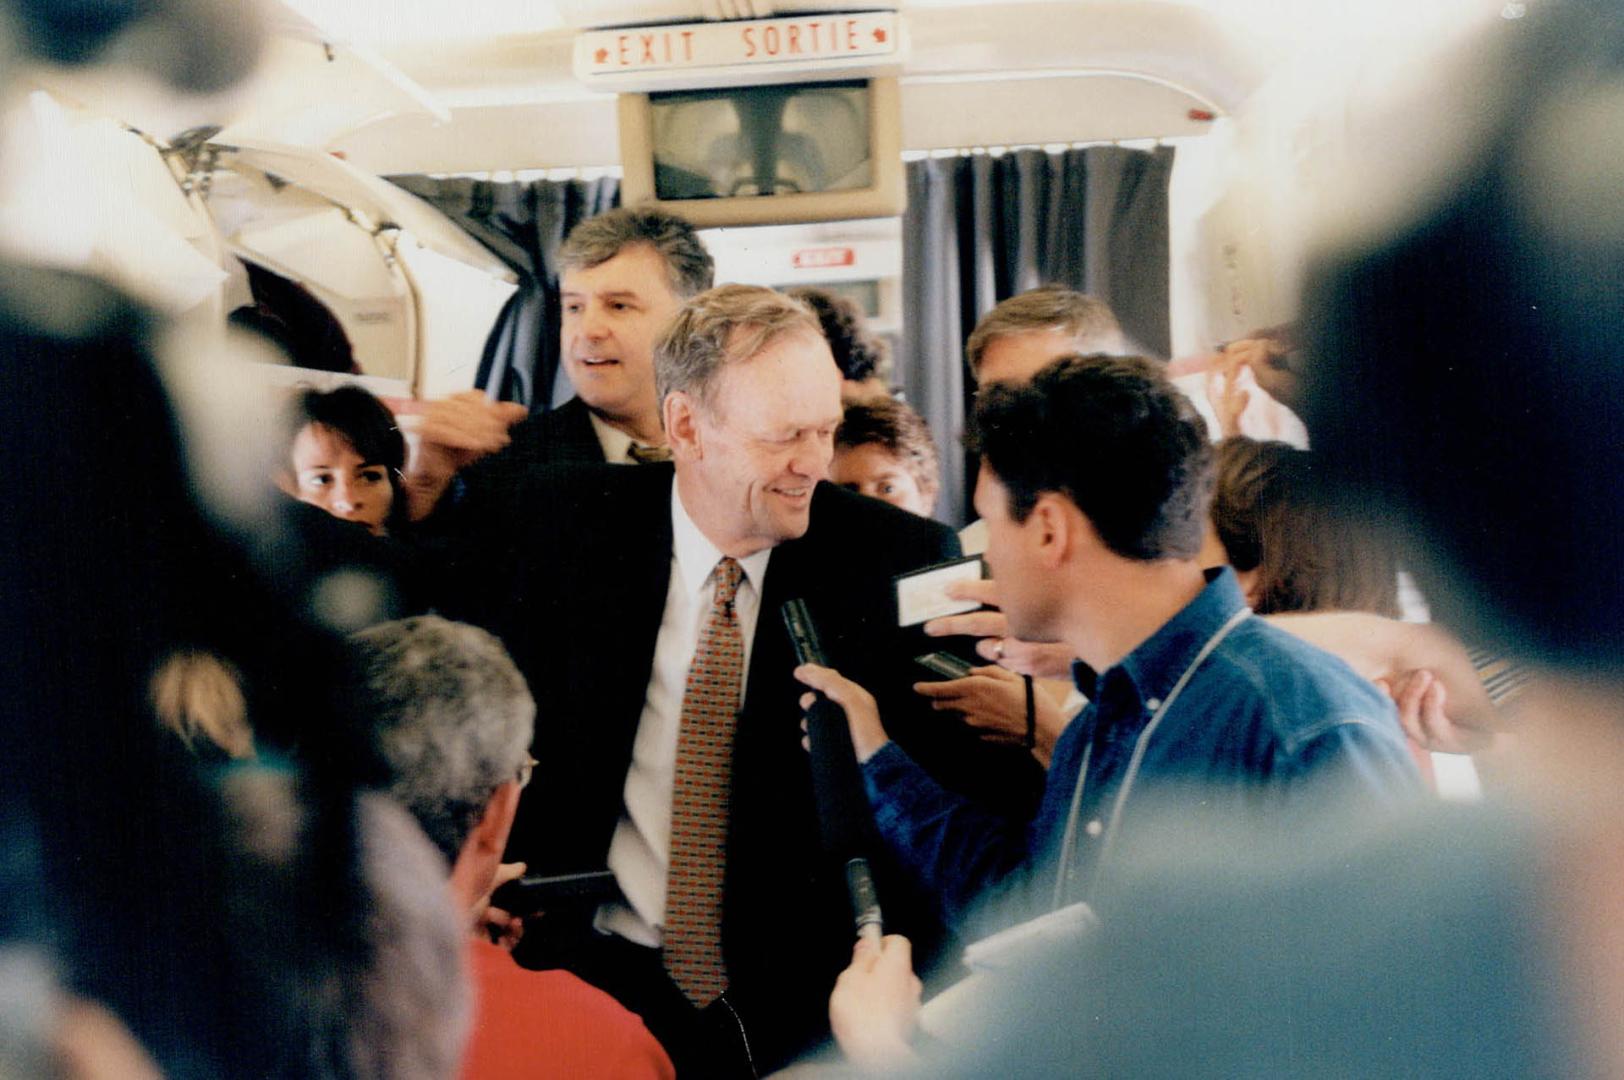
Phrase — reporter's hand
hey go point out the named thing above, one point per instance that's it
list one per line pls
(1041, 660)
(862, 714)
(875, 1004)
(993, 701)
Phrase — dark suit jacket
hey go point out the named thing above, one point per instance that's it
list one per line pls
(558, 436)
(580, 608)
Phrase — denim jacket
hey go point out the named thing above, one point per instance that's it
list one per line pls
(1265, 723)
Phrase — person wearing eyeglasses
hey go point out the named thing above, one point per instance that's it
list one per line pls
(452, 720)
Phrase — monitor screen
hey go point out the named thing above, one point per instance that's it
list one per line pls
(762, 155)
(762, 140)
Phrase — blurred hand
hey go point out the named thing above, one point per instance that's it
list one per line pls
(1422, 703)
(90, 1043)
(446, 434)
(1228, 397)
(867, 733)
(875, 1004)
(1267, 353)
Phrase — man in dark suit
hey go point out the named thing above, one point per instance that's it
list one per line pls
(615, 626)
(625, 273)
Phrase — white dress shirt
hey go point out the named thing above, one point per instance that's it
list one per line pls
(640, 852)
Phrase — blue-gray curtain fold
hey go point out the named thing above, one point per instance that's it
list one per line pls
(523, 224)
(980, 228)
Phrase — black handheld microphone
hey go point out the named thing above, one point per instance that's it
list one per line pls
(836, 785)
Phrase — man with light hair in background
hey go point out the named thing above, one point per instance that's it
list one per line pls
(452, 721)
(624, 275)
(1023, 335)
(1013, 342)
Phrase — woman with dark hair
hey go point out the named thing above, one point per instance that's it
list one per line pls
(864, 358)
(346, 456)
(883, 449)
(1290, 550)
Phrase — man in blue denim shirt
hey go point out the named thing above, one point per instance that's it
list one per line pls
(1095, 483)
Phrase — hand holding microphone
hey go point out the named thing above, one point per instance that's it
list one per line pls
(843, 813)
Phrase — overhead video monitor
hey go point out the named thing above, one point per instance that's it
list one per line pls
(822, 151)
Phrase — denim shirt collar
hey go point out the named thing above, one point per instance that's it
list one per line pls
(1152, 668)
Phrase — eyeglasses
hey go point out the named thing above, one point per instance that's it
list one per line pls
(525, 770)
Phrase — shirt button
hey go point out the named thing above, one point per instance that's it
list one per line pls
(1153, 704)
(1094, 828)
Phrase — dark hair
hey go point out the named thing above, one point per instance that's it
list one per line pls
(1308, 555)
(858, 353)
(598, 239)
(365, 423)
(1111, 434)
(903, 432)
(1464, 371)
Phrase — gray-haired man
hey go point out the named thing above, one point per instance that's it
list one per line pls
(451, 720)
(644, 610)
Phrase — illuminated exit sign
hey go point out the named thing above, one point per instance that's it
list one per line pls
(713, 53)
(822, 258)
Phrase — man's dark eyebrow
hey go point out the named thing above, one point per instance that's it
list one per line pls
(617, 294)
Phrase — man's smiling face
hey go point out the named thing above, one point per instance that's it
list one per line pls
(764, 441)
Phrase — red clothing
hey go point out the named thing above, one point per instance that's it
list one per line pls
(534, 1024)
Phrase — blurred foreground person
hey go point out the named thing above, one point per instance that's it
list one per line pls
(1466, 942)
(453, 720)
(126, 871)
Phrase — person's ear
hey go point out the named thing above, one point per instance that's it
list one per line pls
(1056, 531)
(492, 831)
(681, 415)
(287, 484)
(481, 853)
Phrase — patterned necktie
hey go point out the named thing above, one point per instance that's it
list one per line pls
(647, 455)
(704, 769)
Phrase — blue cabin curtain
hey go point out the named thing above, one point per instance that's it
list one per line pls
(523, 224)
(981, 227)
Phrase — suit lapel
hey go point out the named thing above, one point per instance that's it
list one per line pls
(578, 440)
(645, 578)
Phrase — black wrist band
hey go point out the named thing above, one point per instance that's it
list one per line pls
(1031, 714)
